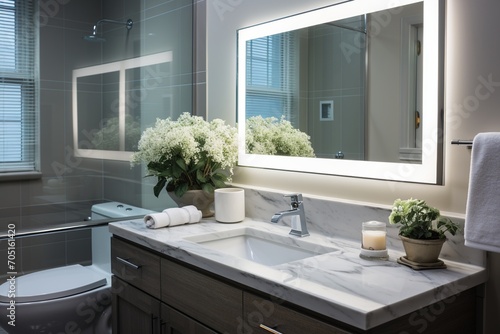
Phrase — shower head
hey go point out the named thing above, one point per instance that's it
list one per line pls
(94, 38)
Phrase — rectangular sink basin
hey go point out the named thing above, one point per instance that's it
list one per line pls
(260, 246)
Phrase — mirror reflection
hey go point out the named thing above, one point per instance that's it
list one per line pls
(365, 89)
(111, 101)
(353, 85)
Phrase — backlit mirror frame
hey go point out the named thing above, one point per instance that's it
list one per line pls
(430, 170)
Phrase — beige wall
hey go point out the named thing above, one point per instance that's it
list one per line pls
(471, 106)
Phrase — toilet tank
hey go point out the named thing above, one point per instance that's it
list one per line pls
(116, 210)
(101, 238)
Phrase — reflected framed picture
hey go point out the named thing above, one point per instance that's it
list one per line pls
(326, 110)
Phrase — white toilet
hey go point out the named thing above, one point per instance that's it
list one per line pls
(70, 299)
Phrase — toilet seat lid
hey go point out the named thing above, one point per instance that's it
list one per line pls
(51, 283)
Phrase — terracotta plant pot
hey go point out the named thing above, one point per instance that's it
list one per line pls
(422, 251)
(200, 199)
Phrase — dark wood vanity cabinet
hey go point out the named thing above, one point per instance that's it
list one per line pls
(208, 300)
(156, 294)
(262, 315)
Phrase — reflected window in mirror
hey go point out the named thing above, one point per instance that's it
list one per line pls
(271, 83)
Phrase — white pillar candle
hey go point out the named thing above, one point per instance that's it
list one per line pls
(374, 240)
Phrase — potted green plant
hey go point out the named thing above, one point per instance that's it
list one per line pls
(190, 157)
(422, 229)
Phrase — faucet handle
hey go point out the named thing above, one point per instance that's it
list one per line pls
(295, 199)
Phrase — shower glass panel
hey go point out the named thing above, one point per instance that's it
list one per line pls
(147, 88)
(77, 174)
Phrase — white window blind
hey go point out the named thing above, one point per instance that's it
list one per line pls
(271, 88)
(18, 86)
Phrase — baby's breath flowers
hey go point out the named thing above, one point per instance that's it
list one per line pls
(276, 137)
(188, 154)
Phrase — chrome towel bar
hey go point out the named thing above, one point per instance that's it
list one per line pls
(467, 142)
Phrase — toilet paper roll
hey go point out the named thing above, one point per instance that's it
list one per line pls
(229, 205)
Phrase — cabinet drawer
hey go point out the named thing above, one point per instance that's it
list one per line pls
(259, 311)
(136, 266)
(211, 302)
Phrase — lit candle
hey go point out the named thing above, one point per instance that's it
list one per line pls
(374, 235)
(374, 240)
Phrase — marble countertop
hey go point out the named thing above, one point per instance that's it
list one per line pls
(341, 285)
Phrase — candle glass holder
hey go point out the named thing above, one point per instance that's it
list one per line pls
(373, 243)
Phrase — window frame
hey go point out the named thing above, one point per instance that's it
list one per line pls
(25, 74)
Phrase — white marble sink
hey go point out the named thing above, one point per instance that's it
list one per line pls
(260, 246)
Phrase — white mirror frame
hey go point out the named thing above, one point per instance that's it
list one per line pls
(120, 67)
(430, 170)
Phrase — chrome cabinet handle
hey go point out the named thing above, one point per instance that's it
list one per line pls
(128, 263)
(269, 329)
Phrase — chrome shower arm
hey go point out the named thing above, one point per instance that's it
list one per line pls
(128, 24)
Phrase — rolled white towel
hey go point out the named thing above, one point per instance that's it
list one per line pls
(178, 216)
(157, 220)
(173, 216)
(194, 214)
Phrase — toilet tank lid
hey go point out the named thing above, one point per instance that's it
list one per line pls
(118, 210)
(51, 283)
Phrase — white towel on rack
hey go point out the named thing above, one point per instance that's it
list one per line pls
(173, 216)
(482, 218)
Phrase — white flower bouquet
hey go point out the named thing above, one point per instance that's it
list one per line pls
(188, 154)
(276, 137)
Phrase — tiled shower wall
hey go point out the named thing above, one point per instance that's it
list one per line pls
(70, 185)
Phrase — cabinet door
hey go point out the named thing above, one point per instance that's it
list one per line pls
(206, 299)
(175, 322)
(262, 316)
(133, 310)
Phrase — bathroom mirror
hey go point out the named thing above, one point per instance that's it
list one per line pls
(109, 101)
(350, 76)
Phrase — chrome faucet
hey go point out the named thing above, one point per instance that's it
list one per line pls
(296, 209)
